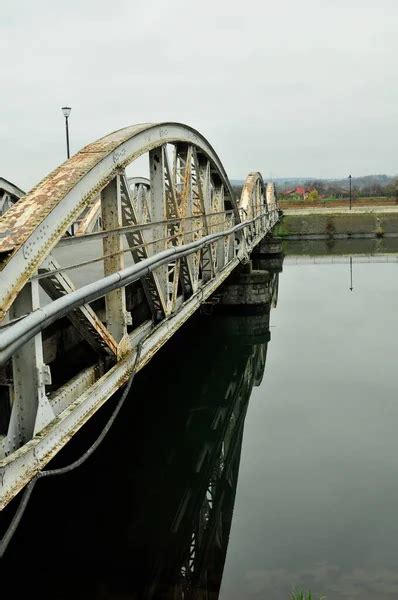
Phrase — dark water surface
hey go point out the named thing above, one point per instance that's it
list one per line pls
(316, 503)
(240, 468)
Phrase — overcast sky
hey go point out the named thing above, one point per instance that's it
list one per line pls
(289, 88)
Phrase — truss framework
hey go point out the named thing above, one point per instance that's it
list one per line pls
(186, 199)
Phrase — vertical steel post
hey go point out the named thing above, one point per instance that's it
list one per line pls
(115, 301)
(158, 212)
(31, 410)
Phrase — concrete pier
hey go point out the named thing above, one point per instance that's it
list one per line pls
(248, 288)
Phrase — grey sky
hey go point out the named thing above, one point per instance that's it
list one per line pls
(288, 88)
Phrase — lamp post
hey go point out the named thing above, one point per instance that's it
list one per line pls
(350, 190)
(66, 112)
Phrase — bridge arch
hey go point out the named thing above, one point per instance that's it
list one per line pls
(253, 195)
(184, 233)
(30, 230)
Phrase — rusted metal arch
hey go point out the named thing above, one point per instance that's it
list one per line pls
(271, 196)
(184, 243)
(253, 196)
(9, 194)
(253, 201)
(136, 182)
(11, 188)
(31, 229)
(91, 220)
(140, 192)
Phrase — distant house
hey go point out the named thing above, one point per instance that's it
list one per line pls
(9, 194)
(298, 191)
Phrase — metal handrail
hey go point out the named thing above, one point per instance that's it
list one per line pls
(22, 331)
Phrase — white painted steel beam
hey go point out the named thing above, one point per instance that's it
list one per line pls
(85, 320)
(137, 241)
(115, 301)
(60, 198)
(30, 410)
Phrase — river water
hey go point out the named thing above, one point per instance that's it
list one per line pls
(256, 455)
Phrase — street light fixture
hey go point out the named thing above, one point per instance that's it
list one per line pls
(350, 190)
(66, 112)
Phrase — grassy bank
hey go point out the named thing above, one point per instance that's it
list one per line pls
(338, 202)
(335, 224)
(303, 596)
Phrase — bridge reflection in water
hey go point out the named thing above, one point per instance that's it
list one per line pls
(149, 515)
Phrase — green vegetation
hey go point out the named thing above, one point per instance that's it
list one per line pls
(314, 197)
(281, 228)
(362, 187)
(303, 596)
(366, 191)
(372, 189)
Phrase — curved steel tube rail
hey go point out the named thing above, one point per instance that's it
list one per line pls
(16, 335)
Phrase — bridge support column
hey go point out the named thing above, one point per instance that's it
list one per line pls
(268, 255)
(267, 248)
(251, 329)
(115, 301)
(247, 289)
(31, 410)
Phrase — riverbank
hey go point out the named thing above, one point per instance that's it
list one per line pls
(317, 223)
(371, 202)
(363, 249)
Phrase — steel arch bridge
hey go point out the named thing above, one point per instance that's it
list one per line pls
(154, 250)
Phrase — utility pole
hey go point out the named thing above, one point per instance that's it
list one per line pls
(350, 190)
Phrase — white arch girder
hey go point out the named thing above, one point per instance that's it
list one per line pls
(30, 230)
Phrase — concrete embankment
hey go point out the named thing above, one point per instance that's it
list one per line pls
(338, 223)
(340, 247)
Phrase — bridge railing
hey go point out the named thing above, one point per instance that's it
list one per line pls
(16, 333)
